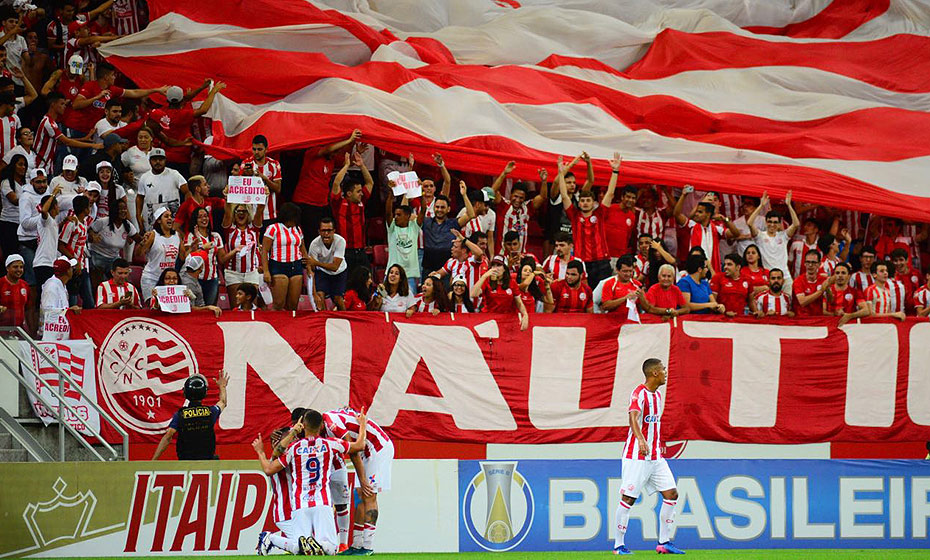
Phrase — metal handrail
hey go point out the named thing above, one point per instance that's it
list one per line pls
(62, 376)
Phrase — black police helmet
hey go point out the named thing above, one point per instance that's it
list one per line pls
(195, 388)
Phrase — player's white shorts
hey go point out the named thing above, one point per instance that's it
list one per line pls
(378, 468)
(640, 475)
(339, 486)
(318, 522)
(286, 526)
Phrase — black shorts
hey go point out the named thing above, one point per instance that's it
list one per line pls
(289, 269)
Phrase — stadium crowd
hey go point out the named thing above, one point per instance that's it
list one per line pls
(107, 194)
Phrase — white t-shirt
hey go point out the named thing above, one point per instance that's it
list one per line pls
(68, 187)
(486, 223)
(162, 255)
(102, 126)
(112, 242)
(47, 251)
(10, 212)
(162, 189)
(29, 199)
(774, 251)
(397, 303)
(137, 161)
(18, 149)
(324, 254)
(14, 54)
(54, 298)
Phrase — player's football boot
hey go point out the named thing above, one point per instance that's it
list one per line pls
(365, 552)
(342, 548)
(622, 549)
(264, 544)
(309, 547)
(351, 551)
(668, 548)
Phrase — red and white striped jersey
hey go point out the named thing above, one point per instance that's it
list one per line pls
(110, 292)
(281, 495)
(827, 266)
(515, 219)
(861, 280)
(422, 306)
(649, 405)
(470, 268)
(852, 221)
(8, 127)
(74, 236)
(650, 223)
(708, 238)
(243, 237)
(285, 242)
(272, 170)
(889, 298)
(459, 308)
(127, 17)
(46, 142)
(730, 205)
(342, 423)
(310, 461)
(922, 297)
(779, 303)
(210, 265)
(796, 254)
(641, 266)
(557, 267)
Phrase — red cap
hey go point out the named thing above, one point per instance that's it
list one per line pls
(74, 26)
(161, 118)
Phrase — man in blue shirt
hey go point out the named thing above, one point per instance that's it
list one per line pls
(696, 288)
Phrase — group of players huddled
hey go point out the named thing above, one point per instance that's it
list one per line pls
(310, 482)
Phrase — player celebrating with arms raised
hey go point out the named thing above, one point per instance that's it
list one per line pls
(372, 470)
(644, 468)
(309, 460)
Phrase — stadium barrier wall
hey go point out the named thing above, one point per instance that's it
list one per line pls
(218, 508)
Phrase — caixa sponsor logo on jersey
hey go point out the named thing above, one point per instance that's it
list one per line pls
(497, 506)
(651, 418)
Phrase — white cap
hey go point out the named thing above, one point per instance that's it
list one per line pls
(174, 94)
(13, 258)
(104, 163)
(93, 186)
(70, 163)
(193, 262)
(156, 152)
(459, 278)
(159, 212)
(37, 172)
(76, 64)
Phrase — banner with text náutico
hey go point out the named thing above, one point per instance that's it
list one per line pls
(478, 378)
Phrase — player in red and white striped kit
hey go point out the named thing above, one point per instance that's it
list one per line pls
(309, 461)
(372, 471)
(280, 483)
(644, 468)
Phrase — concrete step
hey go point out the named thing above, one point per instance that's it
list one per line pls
(6, 440)
(13, 456)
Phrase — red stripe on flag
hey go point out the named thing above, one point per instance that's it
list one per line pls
(837, 20)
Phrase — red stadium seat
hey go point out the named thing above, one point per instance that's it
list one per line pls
(135, 278)
(304, 303)
(381, 255)
(223, 302)
(377, 231)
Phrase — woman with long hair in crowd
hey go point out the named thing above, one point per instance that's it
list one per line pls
(431, 299)
(162, 248)
(360, 291)
(243, 230)
(500, 293)
(459, 298)
(110, 192)
(753, 271)
(113, 235)
(533, 296)
(283, 256)
(395, 290)
(12, 183)
(202, 238)
(171, 277)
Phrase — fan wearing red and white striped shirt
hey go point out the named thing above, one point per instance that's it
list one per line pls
(706, 227)
(49, 134)
(650, 216)
(922, 298)
(905, 274)
(117, 292)
(514, 214)
(375, 461)
(556, 264)
(467, 261)
(773, 301)
(862, 279)
(642, 466)
(309, 461)
(269, 170)
(886, 296)
(9, 124)
(127, 16)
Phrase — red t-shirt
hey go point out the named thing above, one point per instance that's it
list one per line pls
(529, 302)
(755, 279)
(589, 233)
(13, 297)
(350, 219)
(733, 294)
(85, 119)
(70, 88)
(499, 300)
(189, 205)
(802, 286)
(614, 289)
(620, 225)
(353, 302)
(180, 130)
(313, 181)
(847, 300)
(670, 298)
(572, 300)
(911, 281)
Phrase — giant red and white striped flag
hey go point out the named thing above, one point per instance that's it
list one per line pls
(828, 98)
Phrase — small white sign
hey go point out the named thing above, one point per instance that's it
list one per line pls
(406, 184)
(173, 299)
(246, 190)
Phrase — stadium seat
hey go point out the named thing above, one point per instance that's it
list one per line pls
(223, 302)
(381, 255)
(304, 303)
(377, 231)
(135, 278)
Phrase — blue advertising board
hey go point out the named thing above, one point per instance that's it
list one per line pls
(540, 505)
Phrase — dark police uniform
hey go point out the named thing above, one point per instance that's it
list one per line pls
(194, 426)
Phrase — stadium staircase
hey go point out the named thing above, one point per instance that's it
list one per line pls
(23, 437)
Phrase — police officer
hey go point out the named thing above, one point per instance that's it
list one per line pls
(194, 423)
